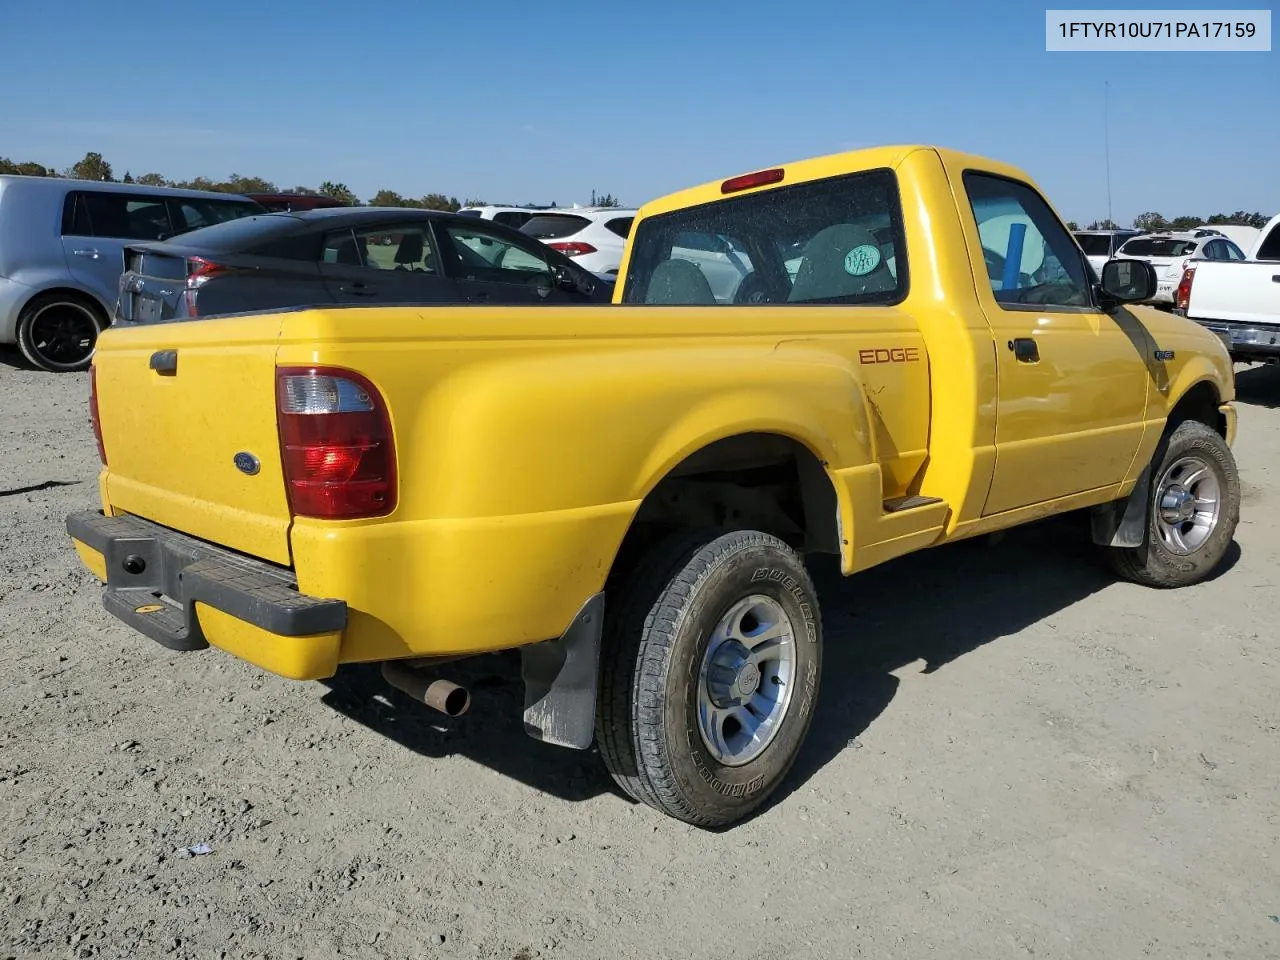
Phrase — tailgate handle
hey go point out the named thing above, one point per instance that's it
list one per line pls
(1275, 278)
(165, 362)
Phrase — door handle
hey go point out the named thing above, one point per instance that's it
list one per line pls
(165, 362)
(1025, 349)
(359, 290)
(1275, 278)
(90, 253)
(478, 298)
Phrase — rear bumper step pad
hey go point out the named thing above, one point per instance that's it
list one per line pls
(155, 576)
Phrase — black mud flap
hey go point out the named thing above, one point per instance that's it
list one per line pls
(560, 681)
(1123, 523)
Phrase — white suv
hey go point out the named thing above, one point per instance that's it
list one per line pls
(593, 236)
(1171, 252)
(513, 217)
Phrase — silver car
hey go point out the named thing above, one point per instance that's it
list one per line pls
(62, 252)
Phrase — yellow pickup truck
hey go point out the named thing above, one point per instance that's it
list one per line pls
(864, 355)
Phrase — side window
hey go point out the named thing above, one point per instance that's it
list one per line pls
(512, 219)
(406, 247)
(1270, 247)
(836, 240)
(1216, 250)
(124, 217)
(196, 213)
(621, 226)
(1030, 260)
(1233, 252)
(340, 247)
(479, 254)
(75, 217)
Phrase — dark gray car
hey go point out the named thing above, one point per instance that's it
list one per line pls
(366, 256)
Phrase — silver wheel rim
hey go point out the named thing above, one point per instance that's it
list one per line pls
(1188, 502)
(744, 686)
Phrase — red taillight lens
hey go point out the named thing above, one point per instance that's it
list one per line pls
(93, 413)
(748, 180)
(1182, 296)
(572, 248)
(335, 443)
(199, 270)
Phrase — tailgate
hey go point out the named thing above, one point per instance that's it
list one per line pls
(180, 404)
(1241, 291)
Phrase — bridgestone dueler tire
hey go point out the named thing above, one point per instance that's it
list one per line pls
(658, 623)
(1153, 564)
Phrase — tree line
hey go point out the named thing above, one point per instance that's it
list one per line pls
(1152, 221)
(94, 167)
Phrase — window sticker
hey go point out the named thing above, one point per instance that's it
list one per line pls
(861, 260)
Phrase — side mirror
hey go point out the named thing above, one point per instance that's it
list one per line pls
(1126, 281)
(568, 279)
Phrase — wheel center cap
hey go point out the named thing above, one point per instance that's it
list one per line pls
(748, 680)
(1178, 504)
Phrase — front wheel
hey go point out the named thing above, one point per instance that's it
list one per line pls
(1192, 511)
(709, 674)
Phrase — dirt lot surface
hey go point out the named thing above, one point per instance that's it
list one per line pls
(1013, 756)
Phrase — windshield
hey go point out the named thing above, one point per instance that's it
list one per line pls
(1158, 247)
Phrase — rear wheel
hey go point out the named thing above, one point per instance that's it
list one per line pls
(58, 332)
(1192, 510)
(709, 674)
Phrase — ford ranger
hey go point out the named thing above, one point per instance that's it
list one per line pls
(862, 355)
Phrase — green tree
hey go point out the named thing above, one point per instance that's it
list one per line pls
(152, 180)
(1072, 225)
(128, 177)
(475, 203)
(1186, 223)
(25, 169)
(239, 184)
(1240, 217)
(604, 200)
(438, 201)
(92, 167)
(1150, 221)
(1103, 225)
(339, 191)
(386, 198)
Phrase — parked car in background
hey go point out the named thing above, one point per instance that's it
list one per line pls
(289, 201)
(1101, 245)
(594, 236)
(514, 217)
(1170, 253)
(361, 256)
(62, 252)
(1239, 300)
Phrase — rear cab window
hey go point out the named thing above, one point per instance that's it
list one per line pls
(832, 241)
(554, 226)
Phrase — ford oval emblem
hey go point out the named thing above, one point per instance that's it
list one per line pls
(247, 463)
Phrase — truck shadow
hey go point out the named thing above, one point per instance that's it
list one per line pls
(1259, 386)
(933, 606)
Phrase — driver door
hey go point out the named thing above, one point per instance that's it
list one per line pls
(489, 266)
(1073, 380)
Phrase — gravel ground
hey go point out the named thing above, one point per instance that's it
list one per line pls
(1013, 756)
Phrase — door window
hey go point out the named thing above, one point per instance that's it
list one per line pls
(1031, 261)
(1233, 252)
(119, 216)
(479, 254)
(404, 247)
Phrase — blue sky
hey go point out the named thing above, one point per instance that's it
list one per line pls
(541, 102)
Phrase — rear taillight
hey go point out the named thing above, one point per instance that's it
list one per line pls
(199, 272)
(336, 444)
(571, 248)
(1182, 296)
(93, 413)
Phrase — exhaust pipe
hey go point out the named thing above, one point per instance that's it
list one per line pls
(444, 695)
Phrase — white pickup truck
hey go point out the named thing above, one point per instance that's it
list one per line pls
(1239, 300)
